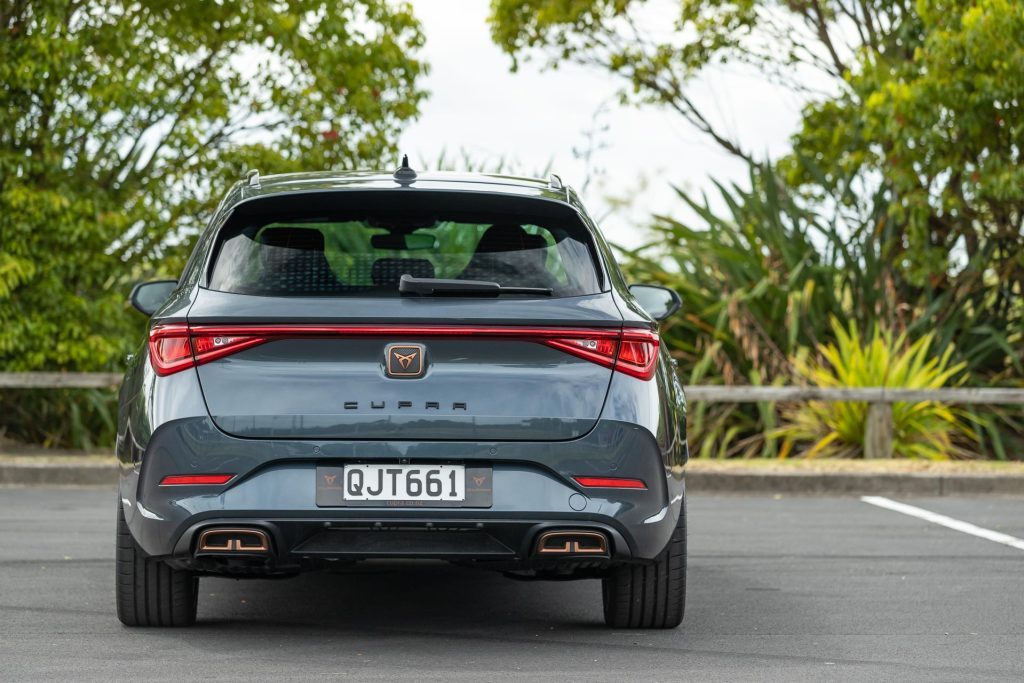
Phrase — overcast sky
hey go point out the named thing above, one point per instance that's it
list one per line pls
(536, 117)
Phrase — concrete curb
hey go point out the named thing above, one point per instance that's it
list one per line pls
(733, 482)
(48, 474)
(853, 483)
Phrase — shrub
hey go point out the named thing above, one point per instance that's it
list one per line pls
(921, 430)
(764, 277)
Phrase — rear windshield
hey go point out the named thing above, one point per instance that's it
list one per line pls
(309, 251)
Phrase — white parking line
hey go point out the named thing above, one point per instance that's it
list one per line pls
(943, 520)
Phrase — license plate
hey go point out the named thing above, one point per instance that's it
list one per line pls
(404, 482)
(403, 485)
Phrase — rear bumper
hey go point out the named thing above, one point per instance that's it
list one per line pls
(274, 490)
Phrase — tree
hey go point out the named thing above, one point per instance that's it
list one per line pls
(122, 122)
(658, 47)
(941, 124)
(921, 98)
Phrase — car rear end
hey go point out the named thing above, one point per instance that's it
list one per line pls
(295, 409)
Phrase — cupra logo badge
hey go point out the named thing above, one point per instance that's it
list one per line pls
(405, 360)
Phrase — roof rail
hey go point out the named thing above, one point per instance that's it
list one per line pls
(554, 182)
(253, 176)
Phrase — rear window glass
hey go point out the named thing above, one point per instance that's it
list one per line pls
(349, 253)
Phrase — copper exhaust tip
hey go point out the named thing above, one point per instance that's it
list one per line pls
(572, 543)
(222, 540)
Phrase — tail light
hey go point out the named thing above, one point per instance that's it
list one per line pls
(175, 347)
(633, 352)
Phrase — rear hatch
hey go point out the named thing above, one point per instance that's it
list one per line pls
(301, 329)
(482, 378)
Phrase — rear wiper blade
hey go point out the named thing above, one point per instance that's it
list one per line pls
(430, 286)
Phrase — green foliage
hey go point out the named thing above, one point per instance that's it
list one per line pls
(657, 48)
(763, 279)
(757, 284)
(121, 124)
(920, 430)
(941, 122)
(924, 99)
(61, 418)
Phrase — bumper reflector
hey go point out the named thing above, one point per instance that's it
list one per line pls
(610, 483)
(196, 479)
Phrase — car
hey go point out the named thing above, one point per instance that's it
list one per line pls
(435, 366)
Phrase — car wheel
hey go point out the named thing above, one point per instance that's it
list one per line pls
(650, 595)
(149, 592)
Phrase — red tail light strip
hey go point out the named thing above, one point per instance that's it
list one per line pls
(610, 483)
(174, 347)
(196, 479)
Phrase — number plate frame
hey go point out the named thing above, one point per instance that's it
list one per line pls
(330, 489)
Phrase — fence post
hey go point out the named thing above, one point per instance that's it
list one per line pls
(878, 430)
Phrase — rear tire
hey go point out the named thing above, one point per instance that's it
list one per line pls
(650, 595)
(149, 592)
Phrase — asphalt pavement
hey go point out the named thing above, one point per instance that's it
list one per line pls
(780, 588)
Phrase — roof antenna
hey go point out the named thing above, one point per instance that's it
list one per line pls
(405, 175)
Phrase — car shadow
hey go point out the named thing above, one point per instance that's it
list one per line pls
(405, 596)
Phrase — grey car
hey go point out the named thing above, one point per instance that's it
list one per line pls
(365, 366)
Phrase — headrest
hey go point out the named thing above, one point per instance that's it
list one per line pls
(534, 242)
(307, 239)
(387, 271)
(507, 237)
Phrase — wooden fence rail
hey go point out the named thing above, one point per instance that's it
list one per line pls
(59, 380)
(878, 431)
(746, 394)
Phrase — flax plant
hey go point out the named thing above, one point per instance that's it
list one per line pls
(924, 429)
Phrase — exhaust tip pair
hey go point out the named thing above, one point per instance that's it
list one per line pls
(561, 543)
